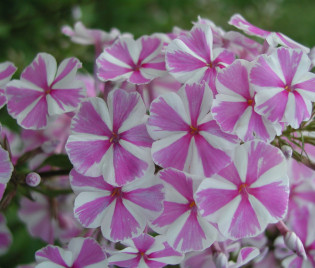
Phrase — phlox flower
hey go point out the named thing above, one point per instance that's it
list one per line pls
(247, 195)
(191, 58)
(7, 69)
(44, 91)
(187, 137)
(6, 169)
(137, 61)
(81, 253)
(111, 140)
(121, 212)
(146, 251)
(5, 236)
(233, 107)
(285, 87)
(273, 38)
(180, 221)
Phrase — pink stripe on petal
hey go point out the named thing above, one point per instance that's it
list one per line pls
(195, 95)
(89, 211)
(123, 106)
(164, 253)
(70, 65)
(149, 46)
(274, 197)
(211, 200)
(8, 71)
(143, 242)
(90, 253)
(37, 117)
(289, 63)
(51, 253)
(141, 196)
(124, 225)
(109, 71)
(67, 97)
(244, 222)
(235, 78)
(120, 51)
(213, 159)
(136, 77)
(300, 220)
(172, 211)
(262, 75)
(130, 263)
(274, 107)
(261, 158)
(179, 61)
(89, 121)
(174, 155)
(84, 154)
(154, 264)
(137, 135)
(154, 65)
(36, 73)
(225, 56)
(191, 235)
(160, 112)
(301, 110)
(127, 166)
(308, 85)
(179, 181)
(257, 128)
(227, 113)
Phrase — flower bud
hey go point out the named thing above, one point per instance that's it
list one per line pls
(32, 179)
(220, 260)
(287, 151)
(294, 243)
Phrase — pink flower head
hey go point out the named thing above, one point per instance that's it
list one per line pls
(5, 236)
(81, 253)
(146, 251)
(84, 36)
(191, 58)
(233, 107)
(285, 87)
(137, 61)
(180, 220)
(111, 140)
(247, 195)
(273, 38)
(7, 69)
(187, 138)
(121, 212)
(44, 91)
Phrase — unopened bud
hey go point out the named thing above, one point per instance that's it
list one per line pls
(32, 179)
(220, 260)
(294, 243)
(287, 151)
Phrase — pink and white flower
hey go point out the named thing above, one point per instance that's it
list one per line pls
(137, 61)
(111, 140)
(187, 137)
(285, 87)
(250, 193)
(44, 91)
(180, 221)
(190, 58)
(81, 253)
(146, 251)
(7, 69)
(273, 38)
(6, 169)
(121, 212)
(233, 107)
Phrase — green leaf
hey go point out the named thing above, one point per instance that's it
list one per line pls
(59, 160)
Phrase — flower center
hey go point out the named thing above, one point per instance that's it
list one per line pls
(114, 138)
(288, 88)
(192, 204)
(210, 65)
(193, 130)
(137, 67)
(116, 192)
(250, 102)
(243, 188)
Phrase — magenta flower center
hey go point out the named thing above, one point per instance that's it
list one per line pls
(116, 192)
(210, 65)
(243, 189)
(114, 138)
(250, 102)
(137, 67)
(288, 88)
(193, 130)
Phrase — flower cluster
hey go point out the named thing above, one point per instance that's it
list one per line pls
(180, 150)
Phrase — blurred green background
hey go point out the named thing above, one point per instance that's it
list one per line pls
(31, 26)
